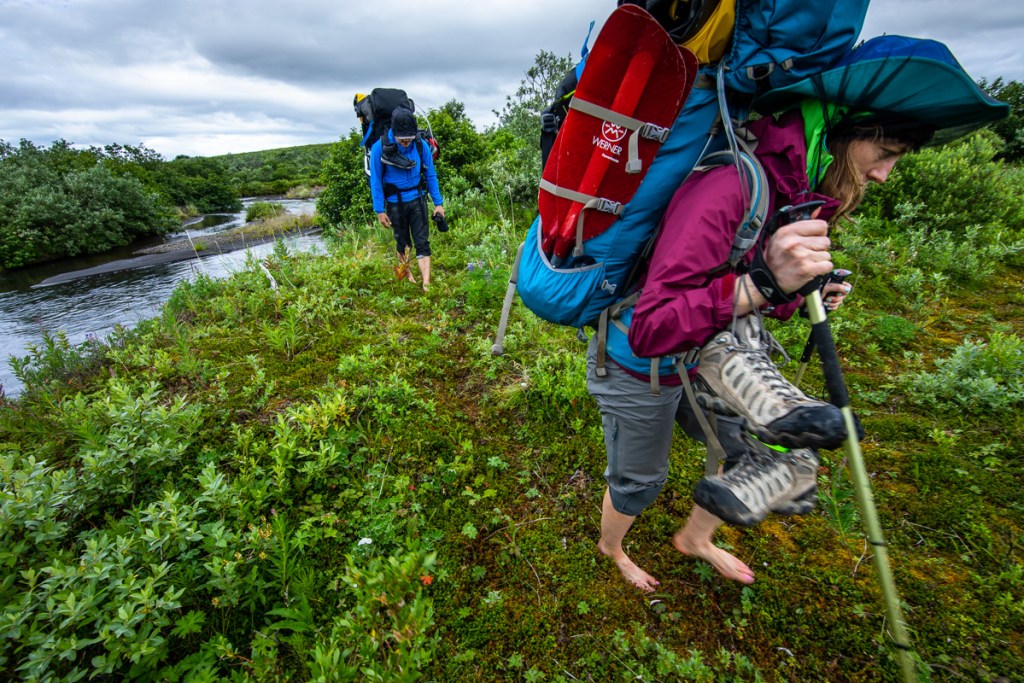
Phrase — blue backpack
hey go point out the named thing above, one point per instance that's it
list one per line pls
(774, 43)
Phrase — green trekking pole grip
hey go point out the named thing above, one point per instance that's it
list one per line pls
(840, 397)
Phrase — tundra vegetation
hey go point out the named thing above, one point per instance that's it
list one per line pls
(335, 480)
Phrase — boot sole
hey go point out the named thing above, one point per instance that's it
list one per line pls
(722, 503)
(790, 431)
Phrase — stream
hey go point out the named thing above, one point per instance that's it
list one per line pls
(84, 305)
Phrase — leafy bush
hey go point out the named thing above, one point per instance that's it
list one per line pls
(202, 182)
(951, 188)
(892, 332)
(462, 149)
(261, 210)
(978, 378)
(61, 202)
(483, 288)
(1010, 129)
(346, 196)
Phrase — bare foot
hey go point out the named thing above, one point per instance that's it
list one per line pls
(632, 573)
(726, 564)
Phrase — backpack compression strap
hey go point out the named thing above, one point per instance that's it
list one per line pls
(390, 188)
(588, 201)
(639, 129)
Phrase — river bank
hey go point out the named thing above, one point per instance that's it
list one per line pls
(246, 237)
(90, 296)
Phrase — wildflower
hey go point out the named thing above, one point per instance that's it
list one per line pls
(365, 541)
(427, 579)
(215, 601)
(412, 487)
(262, 555)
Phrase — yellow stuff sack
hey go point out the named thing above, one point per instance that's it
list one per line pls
(712, 39)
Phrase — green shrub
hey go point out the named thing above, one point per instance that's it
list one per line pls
(262, 210)
(61, 202)
(978, 378)
(482, 287)
(345, 199)
(950, 188)
(892, 333)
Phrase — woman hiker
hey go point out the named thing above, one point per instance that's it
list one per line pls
(837, 132)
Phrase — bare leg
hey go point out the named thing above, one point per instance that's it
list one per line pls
(694, 539)
(614, 526)
(403, 270)
(424, 264)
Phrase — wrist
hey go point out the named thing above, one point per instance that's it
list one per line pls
(763, 280)
(748, 298)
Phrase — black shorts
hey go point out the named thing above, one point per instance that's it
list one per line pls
(410, 225)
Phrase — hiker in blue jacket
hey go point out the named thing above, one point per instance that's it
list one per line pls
(401, 172)
(835, 134)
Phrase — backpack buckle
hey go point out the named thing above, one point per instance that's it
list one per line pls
(548, 122)
(608, 206)
(649, 131)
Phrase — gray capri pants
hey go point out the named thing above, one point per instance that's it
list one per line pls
(638, 432)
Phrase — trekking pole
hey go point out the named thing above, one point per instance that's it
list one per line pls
(821, 338)
(840, 397)
(498, 347)
(837, 275)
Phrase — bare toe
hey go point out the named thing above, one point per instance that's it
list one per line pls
(630, 571)
(725, 563)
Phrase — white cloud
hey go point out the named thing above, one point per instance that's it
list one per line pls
(202, 77)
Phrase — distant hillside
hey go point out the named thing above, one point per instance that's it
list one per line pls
(301, 156)
(275, 171)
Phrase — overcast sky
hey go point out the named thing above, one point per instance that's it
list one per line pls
(207, 77)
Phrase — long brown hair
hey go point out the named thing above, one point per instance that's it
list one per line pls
(842, 180)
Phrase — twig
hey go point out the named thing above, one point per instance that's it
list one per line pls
(542, 519)
(537, 576)
(860, 559)
(385, 474)
(273, 282)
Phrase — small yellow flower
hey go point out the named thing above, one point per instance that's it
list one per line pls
(216, 602)
(263, 555)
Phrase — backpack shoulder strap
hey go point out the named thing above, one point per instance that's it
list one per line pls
(755, 180)
(421, 145)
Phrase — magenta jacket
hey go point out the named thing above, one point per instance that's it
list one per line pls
(679, 308)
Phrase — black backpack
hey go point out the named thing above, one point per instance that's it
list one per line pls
(374, 112)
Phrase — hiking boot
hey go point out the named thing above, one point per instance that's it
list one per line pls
(736, 376)
(763, 481)
(798, 506)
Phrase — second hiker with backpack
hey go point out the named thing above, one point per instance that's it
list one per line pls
(402, 173)
(822, 140)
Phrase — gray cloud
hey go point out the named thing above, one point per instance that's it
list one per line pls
(208, 77)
